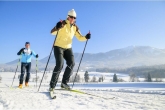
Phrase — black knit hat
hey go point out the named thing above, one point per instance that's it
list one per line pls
(27, 43)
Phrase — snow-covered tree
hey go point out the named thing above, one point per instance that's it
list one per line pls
(148, 78)
(86, 76)
(77, 78)
(120, 80)
(100, 79)
(158, 80)
(132, 77)
(103, 77)
(94, 79)
(115, 78)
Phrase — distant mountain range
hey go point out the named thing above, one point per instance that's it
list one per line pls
(120, 58)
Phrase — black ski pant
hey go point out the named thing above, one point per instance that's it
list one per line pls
(27, 67)
(61, 54)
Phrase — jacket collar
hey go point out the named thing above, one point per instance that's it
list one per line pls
(68, 23)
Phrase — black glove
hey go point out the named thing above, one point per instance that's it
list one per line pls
(88, 36)
(37, 56)
(58, 25)
(22, 50)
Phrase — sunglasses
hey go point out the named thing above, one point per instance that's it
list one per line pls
(72, 17)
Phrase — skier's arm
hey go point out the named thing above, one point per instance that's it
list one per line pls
(79, 36)
(19, 53)
(59, 25)
(54, 31)
(34, 54)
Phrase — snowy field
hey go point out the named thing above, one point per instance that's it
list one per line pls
(128, 96)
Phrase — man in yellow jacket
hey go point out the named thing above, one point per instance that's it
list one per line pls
(65, 31)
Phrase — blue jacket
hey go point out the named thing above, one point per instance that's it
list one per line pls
(26, 58)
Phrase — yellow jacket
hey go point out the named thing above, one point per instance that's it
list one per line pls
(65, 35)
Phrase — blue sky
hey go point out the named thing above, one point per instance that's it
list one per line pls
(113, 25)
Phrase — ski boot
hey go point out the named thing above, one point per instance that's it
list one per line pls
(26, 84)
(52, 95)
(65, 86)
(51, 89)
(20, 86)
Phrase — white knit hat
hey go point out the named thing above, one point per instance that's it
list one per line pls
(72, 13)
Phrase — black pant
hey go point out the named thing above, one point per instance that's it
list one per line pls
(27, 67)
(61, 54)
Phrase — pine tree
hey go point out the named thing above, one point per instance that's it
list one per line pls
(132, 77)
(77, 78)
(100, 79)
(115, 78)
(94, 79)
(86, 76)
(149, 78)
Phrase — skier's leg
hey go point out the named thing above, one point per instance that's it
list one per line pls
(58, 53)
(28, 68)
(69, 57)
(22, 73)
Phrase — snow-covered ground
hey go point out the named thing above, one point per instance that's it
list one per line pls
(128, 96)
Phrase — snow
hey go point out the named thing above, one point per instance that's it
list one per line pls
(128, 96)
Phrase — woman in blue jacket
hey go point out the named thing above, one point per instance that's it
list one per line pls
(26, 54)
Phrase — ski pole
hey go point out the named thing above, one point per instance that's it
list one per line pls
(36, 71)
(80, 62)
(48, 61)
(16, 70)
